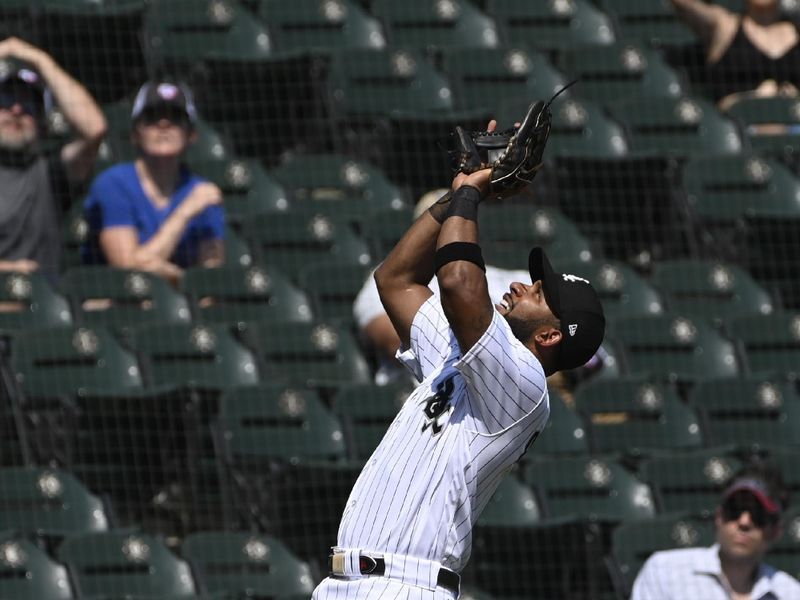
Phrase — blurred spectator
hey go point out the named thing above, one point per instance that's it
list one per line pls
(752, 54)
(748, 522)
(154, 214)
(31, 183)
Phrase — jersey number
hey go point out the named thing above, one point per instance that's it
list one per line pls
(437, 405)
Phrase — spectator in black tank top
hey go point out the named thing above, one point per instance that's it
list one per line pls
(752, 54)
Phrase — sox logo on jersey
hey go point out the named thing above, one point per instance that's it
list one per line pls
(437, 405)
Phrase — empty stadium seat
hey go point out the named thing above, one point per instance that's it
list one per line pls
(633, 543)
(770, 124)
(675, 348)
(564, 433)
(48, 501)
(421, 23)
(513, 504)
(110, 297)
(508, 232)
(247, 188)
(235, 294)
(689, 481)
(366, 411)
(237, 252)
(769, 255)
(126, 563)
(610, 74)
(551, 24)
(28, 573)
(382, 229)
(623, 292)
(292, 240)
(277, 422)
(677, 126)
(204, 355)
(589, 487)
(655, 23)
(248, 564)
(484, 77)
(636, 416)
(710, 289)
(332, 289)
(53, 362)
(74, 234)
(307, 25)
(771, 343)
(29, 301)
(317, 354)
(752, 411)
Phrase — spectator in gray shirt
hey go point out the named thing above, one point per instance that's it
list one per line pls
(748, 522)
(30, 182)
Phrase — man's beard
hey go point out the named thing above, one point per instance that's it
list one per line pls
(18, 143)
(523, 329)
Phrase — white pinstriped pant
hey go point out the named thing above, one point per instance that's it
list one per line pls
(376, 588)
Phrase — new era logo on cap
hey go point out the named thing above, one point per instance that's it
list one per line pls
(573, 328)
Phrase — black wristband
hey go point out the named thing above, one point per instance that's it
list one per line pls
(458, 251)
(464, 203)
(439, 208)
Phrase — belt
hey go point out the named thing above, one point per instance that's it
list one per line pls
(376, 565)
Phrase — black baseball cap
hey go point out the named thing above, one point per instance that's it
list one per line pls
(155, 94)
(24, 84)
(758, 488)
(576, 304)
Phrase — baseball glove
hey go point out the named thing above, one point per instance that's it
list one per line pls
(513, 155)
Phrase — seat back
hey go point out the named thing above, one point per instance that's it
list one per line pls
(30, 301)
(654, 23)
(769, 123)
(27, 573)
(564, 433)
(513, 504)
(333, 288)
(771, 343)
(126, 563)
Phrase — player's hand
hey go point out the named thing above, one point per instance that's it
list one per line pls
(13, 47)
(478, 179)
(203, 195)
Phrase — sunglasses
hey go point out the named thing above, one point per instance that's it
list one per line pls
(29, 104)
(155, 114)
(737, 504)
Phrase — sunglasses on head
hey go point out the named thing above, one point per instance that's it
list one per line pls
(737, 504)
(29, 104)
(154, 114)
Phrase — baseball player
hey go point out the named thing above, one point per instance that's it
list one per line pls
(482, 400)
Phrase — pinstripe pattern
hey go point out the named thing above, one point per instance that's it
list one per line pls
(444, 455)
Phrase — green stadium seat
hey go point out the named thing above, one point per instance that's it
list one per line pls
(305, 25)
(320, 355)
(204, 355)
(564, 433)
(654, 23)
(689, 481)
(28, 573)
(292, 240)
(484, 77)
(237, 252)
(721, 192)
(126, 563)
(383, 229)
(771, 343)
(421, 23)
(247, 188)
(55, 362)
(335, 184)
(623, 292)
(710, 289)
(366, 411)
(785, 554)
(633, 543)
(634, 416)
(29, 301)
(48, 501)
(236, 294)
(748, 412)
(376, 82)
(769, 255)
(674, 348)
(332, 289)
(770, 124)
(589, 487)
(513, 504)
(246, 565)
(109, 297)
(74, 234)
(259, 423)
(472, 593)
(509, 231)
(185, 31)
(677, 126)
(551, 24)
(610, 74)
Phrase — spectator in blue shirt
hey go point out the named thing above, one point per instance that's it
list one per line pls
(748, 523)
(154, 214)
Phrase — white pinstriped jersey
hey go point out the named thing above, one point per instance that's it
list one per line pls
(457, 435)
